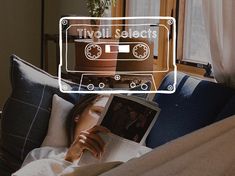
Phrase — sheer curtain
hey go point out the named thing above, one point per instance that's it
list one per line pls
(220, 24)
(196, 48)
(143, 8)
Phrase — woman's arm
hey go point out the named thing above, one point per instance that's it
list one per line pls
(87, 140)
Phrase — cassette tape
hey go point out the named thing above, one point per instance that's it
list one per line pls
(137, 51)
(134, 82)
(118, 55)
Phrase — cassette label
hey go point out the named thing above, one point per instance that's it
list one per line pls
(120, 55)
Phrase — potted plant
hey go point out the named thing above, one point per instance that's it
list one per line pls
(96, 8)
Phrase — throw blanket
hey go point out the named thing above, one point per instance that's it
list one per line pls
(49, 161)
(52, 167)
(206, 152)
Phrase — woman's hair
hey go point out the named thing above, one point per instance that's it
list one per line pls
(77, 110)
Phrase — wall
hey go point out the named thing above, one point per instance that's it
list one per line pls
(77, 7)
(19, 34)
(54, 9)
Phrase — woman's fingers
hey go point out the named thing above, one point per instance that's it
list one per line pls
(98, 139)
(93, 143)
(93, 139)
(88, 140)
(85, 145)
(97, 129)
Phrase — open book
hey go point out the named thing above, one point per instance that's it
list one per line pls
(130, 120)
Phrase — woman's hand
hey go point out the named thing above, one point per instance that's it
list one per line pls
(87, 140)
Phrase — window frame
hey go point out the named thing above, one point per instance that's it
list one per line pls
(175, 8)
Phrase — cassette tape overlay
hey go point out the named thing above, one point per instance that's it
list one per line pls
(116, 55)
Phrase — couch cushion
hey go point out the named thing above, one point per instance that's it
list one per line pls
(4, 169)
(194, 105)
(228, 110)
(27, 111)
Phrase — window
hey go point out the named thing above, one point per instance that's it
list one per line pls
(144, 8)
(195, 42)
(107, 13)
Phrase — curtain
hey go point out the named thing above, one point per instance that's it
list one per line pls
(220, 25)
(195, 45)
(143, 8)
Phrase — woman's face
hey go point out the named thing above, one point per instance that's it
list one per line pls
(91, 115)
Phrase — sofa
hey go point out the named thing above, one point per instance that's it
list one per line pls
(195, 104)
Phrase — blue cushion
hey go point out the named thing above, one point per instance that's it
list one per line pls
(27, 111)
(228, 110)
(194, 105)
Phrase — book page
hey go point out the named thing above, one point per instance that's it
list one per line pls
(129, 117)
(116, 149)
(130, 120)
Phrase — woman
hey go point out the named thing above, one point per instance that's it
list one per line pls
(83, 132)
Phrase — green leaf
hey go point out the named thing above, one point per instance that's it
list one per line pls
(96, 8)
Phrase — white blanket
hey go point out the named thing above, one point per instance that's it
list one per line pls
(48, 161)
(53, 167)
(206, 152)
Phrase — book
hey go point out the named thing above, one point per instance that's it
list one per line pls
(130, 120)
